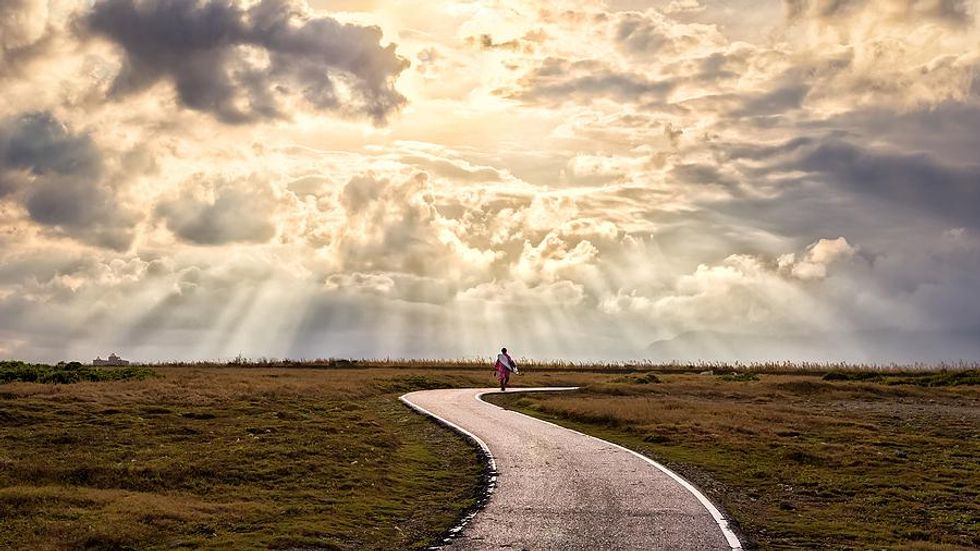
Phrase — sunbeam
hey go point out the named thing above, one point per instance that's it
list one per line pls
(604, 180)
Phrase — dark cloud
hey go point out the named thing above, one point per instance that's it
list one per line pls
(360, 192)
(912, 180)
(39, 143)
(60, 178)
(874, 196)
(239, 63)
(235, 211)
(946, 131)
(774, 102)
(638, 34)
(718, 66)
(559, 80)
(952, 11)
(703, 174)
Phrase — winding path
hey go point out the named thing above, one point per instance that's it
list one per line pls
(560, 489)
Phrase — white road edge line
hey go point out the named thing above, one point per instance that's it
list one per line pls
(491, 485)
(486, 449)
(722, 522)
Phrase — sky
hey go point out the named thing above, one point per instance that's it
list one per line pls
(578, 180)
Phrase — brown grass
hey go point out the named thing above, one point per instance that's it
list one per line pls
(235, 458)
(800, 462)
(321, 457)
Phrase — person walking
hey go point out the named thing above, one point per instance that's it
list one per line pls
(504, 367)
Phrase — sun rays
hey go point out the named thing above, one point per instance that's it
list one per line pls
(574, 179)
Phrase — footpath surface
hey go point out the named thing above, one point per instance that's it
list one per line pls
(558, 489)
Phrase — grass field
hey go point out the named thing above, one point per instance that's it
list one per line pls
(851, 460)
(234, 458)
(323, 456)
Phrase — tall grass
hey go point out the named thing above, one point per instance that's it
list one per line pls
(482, 363)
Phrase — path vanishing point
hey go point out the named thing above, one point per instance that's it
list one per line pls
(558, 489)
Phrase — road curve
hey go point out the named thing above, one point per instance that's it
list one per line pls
(560, 489)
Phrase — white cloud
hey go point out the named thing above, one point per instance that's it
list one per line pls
(816, 259)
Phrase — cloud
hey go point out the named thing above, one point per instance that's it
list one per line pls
(817, 258)
(24, 30)
(221, 212)
(457, 170)
(913, 181)
(572, 180)
(394, 286)
(558, 80)
(395, 226)
(562, 293)
(553, 260)
(741, 293)
(651, 35)
(773, 102)
(244, 63)
(360, 192)
(61, 179)
(951, 11)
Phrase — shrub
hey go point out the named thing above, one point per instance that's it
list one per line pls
(852, 376)
(644, 379)
(739, 377)
(72, 372)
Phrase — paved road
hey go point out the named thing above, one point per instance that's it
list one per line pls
(561, 490)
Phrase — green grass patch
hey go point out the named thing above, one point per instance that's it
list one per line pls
(644, 379)
(74, 372)
(944, 377)
(739, 377)
(852, 376)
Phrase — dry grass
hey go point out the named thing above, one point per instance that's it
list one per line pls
(563, 366)
(234, 458)
(321, 457)
(800, 462)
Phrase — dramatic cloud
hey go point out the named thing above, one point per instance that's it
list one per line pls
(683, 180)
(651, 35)
(915, 183)
(952, 11)
(243, 64)
(818, 256)
(222, 212)
(61, 180)
(557, 80)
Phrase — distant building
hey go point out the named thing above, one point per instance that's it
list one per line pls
(112, 360)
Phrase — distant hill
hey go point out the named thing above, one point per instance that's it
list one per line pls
(882, 346)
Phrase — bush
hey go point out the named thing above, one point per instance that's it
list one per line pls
(739, 377)
(638, 380)
(73, 372)
(943, 378)
(940, 378)
(852, 376)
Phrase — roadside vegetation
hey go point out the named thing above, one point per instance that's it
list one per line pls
(72, 372)
(830, 459)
